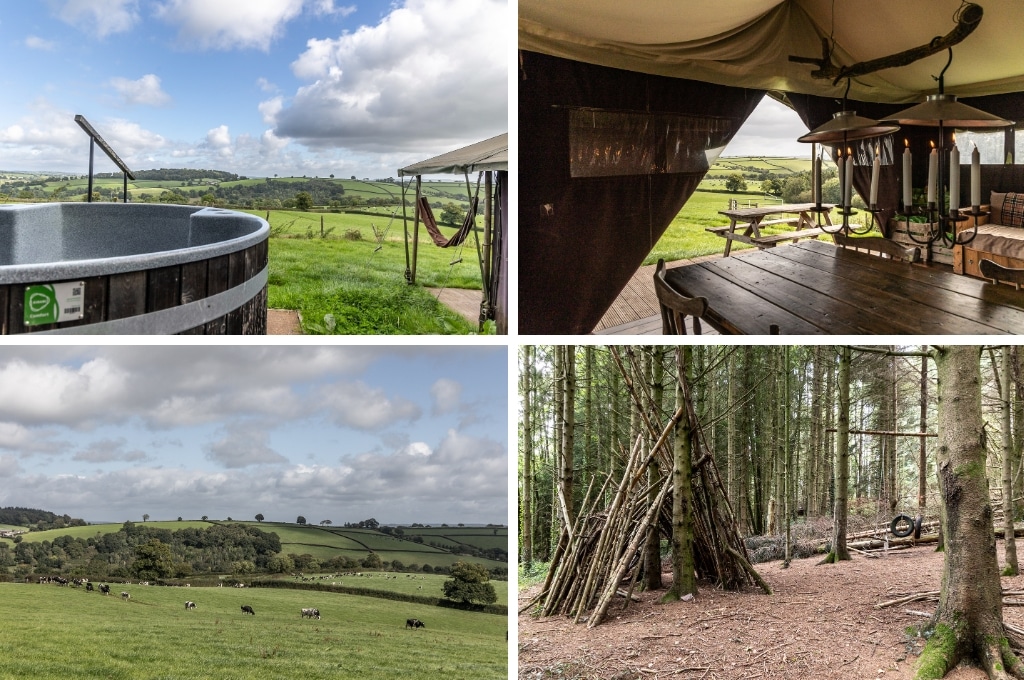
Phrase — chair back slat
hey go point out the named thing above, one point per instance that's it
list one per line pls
(675, 306)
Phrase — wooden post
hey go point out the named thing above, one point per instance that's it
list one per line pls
(415, 232)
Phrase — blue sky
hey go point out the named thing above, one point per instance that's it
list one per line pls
(401, 434)
(257, 87)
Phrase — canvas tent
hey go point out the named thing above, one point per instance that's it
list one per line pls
(489, 157)
(623, 105)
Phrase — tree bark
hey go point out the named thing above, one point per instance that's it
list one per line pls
(652, 559)
(968, 622)
(527, 499)
(922, 461)
(1010, 543)
(568, 429)
(839, 549)
(683, 578)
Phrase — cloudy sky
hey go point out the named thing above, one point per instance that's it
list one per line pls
(257, 87)
(401, 434)
(771, 130)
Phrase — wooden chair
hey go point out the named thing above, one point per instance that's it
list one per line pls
(675, 306)
(879, 246)
(997, 272)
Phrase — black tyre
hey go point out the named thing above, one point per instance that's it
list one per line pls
(918, 521)
(902, 526)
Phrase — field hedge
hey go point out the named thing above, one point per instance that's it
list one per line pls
(499, 609)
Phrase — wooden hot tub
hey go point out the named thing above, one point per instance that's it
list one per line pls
(114, 268)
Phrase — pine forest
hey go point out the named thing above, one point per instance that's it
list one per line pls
(769, 511)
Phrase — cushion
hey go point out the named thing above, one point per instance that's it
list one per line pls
(1012, 212)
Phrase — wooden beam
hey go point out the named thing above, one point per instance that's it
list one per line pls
(889, 434)
(968, 19)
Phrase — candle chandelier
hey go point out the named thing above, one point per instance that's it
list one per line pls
(944, 111)
(845, 127)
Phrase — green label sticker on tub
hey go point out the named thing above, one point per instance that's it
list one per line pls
(54, 303)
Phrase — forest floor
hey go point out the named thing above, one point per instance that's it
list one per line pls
(821, 622)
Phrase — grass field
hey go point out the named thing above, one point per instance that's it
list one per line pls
(429, 585)
(58, 633)
(363, 289)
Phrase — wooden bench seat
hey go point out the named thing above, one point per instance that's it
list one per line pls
(787, 236)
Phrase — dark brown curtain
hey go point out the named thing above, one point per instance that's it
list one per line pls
(584, 228)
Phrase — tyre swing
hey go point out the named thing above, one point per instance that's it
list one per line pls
(903, 525)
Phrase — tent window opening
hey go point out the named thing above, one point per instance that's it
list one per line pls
(609, 143)
(990, 145)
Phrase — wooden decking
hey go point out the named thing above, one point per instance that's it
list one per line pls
(463, 301)
(636, 311)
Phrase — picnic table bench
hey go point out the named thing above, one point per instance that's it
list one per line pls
(752, 219)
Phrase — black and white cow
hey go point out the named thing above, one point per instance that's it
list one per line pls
(190, 605)
(246, 609)
(125, 595)
(311, 613)
(88, 587)
(105, 589)
(414, 623)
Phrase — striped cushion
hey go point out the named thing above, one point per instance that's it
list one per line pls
(1012, 214)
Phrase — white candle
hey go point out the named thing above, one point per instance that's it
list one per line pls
(954, 178)
(841, 166)
(933, 171)
(848, 192)
(816, 180)
(908, 189)
(874, 177)
(975, 177)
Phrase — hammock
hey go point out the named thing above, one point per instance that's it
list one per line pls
(427, 215)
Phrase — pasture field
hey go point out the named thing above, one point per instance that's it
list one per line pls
(53, 632)
(93, 529)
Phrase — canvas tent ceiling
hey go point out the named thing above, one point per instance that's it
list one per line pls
(490, 154)
(747, 43)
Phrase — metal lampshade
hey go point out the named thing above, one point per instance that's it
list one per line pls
(944, 109)
(847, 126)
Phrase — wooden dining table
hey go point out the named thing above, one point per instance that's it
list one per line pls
(815, 287)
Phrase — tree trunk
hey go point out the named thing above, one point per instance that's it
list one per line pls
(568, 430)
(922, 461)
(839, 550)
(1010, 543)
(968, 622)
(527, 499)
(787, 460)
(652, 554)
(683, 578)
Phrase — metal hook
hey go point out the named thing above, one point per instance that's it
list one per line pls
(942, 74)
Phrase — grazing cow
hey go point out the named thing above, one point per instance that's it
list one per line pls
(311, 613)
(190, 605)
(105, 589)
(125, 595)
(246, 609)
(414, 623)
(88, 587)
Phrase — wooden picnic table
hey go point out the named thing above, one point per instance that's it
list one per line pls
(752, 219)
(813, 287)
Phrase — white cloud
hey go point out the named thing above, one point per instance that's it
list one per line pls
(109, 450)
(431, 74)
(219, 137)
(446, 394)
(242, 445)
(34, 42)
(99, 17)
(228, 24)
(266, 85)
(270, 108)
(327, 8)
(366, 408)
(9, 466)
(146, 90)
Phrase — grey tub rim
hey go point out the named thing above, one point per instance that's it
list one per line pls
(66, 270)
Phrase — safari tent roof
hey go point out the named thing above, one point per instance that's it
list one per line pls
(490, 154)
(747, 43)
